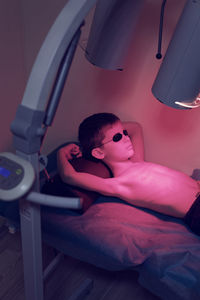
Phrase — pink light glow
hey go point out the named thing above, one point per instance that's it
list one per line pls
(175, 122)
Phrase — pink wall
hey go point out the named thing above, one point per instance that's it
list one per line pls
(171, 136)
(11, 68)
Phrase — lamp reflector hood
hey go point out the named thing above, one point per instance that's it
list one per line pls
(111, 32)
(178, 79)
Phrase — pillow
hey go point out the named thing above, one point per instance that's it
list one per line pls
(57, 187)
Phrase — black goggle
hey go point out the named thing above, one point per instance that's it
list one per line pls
(117, 137)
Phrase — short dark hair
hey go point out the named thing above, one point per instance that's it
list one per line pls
(91, 134)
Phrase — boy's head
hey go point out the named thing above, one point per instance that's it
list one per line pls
(91, 133)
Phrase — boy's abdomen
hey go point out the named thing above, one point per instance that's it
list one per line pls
(162, 189)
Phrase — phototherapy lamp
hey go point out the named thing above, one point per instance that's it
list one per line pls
(177, 81)
(111, 32)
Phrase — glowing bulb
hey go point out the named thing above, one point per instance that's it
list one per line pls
(193, 104)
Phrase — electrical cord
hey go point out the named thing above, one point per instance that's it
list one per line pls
(159, 55)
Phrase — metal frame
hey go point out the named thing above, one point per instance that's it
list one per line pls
(29, 127)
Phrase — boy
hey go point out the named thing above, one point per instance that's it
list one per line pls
(120, 146)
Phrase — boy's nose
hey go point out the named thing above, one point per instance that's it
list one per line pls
(126, 138)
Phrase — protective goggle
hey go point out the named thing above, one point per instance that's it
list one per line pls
(116, 138)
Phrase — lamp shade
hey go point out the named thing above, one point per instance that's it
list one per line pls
(178, 79)
(111, 32)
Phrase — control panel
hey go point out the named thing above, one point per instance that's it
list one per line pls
(16, 176)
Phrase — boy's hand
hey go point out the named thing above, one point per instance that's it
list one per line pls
(71, 151)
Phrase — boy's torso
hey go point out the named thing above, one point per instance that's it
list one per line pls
(159, 188)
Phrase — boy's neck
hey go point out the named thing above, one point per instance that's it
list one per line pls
(118, 168)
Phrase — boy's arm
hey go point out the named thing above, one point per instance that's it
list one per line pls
(84, 180)
(136, 135)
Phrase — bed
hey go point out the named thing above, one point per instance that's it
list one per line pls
(114, 235)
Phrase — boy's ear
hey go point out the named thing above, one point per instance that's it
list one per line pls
(97, 153)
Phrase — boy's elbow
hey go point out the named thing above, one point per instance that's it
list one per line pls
(67, 178)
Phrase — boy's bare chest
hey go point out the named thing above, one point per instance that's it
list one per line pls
(146, 173)
(154, 178)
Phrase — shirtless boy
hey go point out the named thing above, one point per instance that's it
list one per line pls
(120, 146)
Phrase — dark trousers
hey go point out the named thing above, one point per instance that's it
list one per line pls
(192, 218)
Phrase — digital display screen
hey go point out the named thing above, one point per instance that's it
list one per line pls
(4, 172)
